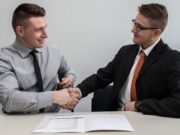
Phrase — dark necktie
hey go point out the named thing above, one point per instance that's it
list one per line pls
(136, 73)
(38, 74)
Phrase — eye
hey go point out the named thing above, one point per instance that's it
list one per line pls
(139, 26)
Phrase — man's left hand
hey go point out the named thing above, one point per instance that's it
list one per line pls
(129, 106)
(67, 82)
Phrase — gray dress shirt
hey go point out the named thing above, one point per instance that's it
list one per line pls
(18, 90)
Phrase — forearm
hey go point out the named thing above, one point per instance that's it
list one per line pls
(165, 107)
(17, 101)
(91, 84)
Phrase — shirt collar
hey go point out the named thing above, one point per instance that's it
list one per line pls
(24, 51)
(149, 49)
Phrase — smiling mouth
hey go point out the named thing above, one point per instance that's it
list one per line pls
(136, 36)
(41, 41)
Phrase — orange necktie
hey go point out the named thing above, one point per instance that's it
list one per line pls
(136, 72)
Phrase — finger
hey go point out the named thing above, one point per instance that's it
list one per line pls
(69, 106)
(125, 107)
(74, 92)
(72, 103)
(71, 91)
(66, 85)
(75, 96)
(63, 81)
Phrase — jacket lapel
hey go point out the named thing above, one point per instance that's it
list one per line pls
(131, 57)
(124, 68)
(152, 58)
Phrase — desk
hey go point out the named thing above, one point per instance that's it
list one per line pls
(142, 124)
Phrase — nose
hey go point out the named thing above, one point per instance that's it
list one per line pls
(134, 29)
(44, 35)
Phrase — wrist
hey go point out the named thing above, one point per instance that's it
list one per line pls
(54, 97)
(79, 91)
(137, 106)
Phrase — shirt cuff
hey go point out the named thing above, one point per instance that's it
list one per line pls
(137, 106)
(79, 92)
(45, 99)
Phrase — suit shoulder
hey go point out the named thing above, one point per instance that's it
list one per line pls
(127, 48)
(172, 52)
(171, 56)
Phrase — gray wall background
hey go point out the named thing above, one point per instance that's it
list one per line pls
(90, 32)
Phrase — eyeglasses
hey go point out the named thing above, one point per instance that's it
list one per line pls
(139, 27)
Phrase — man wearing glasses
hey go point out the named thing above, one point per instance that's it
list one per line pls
(146, 74)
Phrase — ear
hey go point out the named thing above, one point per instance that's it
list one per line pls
(20, 31)
(157, 32)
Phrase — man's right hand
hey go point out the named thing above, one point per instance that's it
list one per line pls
(66, 98)
(75, 97)
(61, 97)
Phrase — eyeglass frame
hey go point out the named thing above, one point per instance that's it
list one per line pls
(139, 27)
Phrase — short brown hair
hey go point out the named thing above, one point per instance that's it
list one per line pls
(157, 13)
(25, 11)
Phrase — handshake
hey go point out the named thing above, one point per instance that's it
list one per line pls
(67, 98)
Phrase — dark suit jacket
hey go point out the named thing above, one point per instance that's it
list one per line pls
(158, 83)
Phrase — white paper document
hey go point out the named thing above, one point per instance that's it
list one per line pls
(83, 123)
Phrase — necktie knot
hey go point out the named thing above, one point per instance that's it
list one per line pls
(33, 52)
(142, 54)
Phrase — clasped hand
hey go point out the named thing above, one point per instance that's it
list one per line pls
(67, 98)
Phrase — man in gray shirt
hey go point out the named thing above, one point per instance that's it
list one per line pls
(19, 92)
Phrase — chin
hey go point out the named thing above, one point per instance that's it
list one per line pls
(40, 46)
(135, 40)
